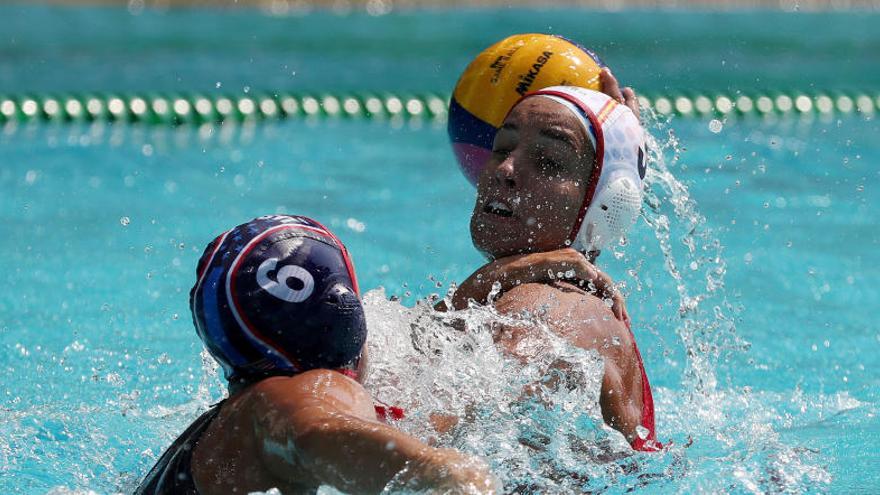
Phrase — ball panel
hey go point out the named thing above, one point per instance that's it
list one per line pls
(509, 69)
(500, 75)
(586, 50)
(465, 127)
(472, 159)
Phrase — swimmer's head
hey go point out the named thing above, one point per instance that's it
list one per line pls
(278, 296)
(566, 170)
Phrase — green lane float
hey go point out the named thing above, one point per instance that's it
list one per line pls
(195, 109)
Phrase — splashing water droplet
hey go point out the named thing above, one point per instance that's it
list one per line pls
(493, 293)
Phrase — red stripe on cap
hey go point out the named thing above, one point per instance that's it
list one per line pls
(234, 296)
(349, 264)
(241, 257)
(600, 154)
(219, 241)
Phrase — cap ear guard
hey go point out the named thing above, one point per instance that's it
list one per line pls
(612, 213)
(616, 201)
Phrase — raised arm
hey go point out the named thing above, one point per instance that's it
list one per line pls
(320, 427)
(545, 267)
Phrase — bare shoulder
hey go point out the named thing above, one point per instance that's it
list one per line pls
(586, 322)
(316, 388)
(240, 447)
(573, 313)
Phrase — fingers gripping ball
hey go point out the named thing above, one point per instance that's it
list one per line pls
(499, 77)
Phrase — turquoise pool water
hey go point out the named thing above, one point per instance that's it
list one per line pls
(753, 302)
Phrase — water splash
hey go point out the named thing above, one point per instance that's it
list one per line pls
(537, 422)
(693, 259)
(562, 446)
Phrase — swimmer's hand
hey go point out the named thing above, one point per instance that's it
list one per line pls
(443, 423)
(564, 264)
(449, 471)
(627, 96)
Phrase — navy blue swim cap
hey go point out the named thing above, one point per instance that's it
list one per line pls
(278, 296)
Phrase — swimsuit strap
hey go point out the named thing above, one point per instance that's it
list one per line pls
(384, 412)
(649, 443)
(172, 474)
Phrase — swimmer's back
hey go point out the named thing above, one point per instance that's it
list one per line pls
(229, 458)
(587, 322)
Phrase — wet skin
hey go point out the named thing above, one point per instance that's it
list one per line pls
(319, 427)
(528, 198)
(530, 192)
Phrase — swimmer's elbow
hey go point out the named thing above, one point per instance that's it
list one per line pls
(335, 435)
(309, 439)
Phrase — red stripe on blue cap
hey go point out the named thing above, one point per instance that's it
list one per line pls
(231, 294)
(349, 264)
(239, 314)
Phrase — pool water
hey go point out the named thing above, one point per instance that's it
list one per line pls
(749, 277)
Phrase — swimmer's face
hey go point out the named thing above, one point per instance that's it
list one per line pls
(531, 190)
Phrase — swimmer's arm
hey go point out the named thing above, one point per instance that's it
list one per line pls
(319, 427)
(545, 267)
(584, 321)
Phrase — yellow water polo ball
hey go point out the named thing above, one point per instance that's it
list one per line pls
(502, 74)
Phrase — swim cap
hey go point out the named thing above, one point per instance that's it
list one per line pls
(278, 296)
(613, 199)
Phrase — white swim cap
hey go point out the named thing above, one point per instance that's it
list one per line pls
(613, 199)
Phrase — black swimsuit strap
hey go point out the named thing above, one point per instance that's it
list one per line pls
(172, 474)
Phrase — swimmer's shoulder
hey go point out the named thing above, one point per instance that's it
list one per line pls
(318, 388)
(281, 402)
(552, 298)
(570, 310)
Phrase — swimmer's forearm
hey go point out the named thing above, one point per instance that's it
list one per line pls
(363, 457)
(355, 455)
(544, 267)
(476, 288)
(504, 274)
